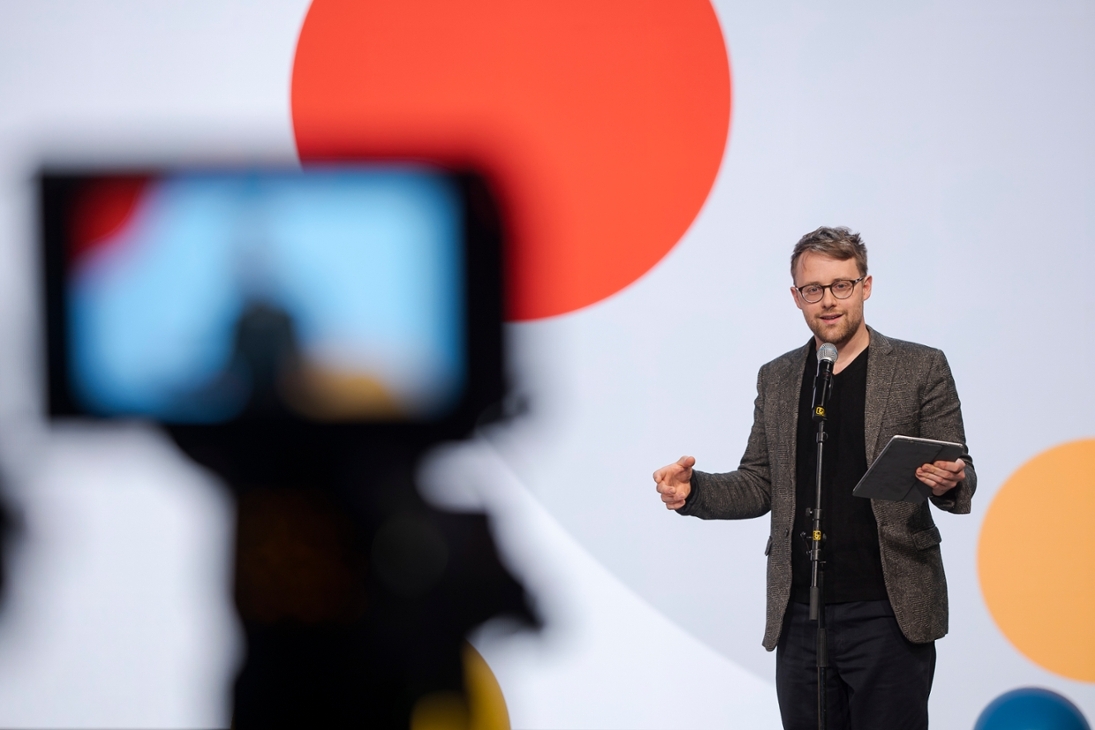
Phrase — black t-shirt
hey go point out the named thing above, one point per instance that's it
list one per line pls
(853, 565)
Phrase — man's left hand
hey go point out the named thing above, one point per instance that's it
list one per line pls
(942, 476)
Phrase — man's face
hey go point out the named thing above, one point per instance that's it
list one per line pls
(831, 320)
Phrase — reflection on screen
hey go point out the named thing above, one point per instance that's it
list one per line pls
(329, 294)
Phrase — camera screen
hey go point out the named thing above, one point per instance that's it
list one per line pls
(203, 297)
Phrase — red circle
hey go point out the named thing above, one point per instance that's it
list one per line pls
(603, 123)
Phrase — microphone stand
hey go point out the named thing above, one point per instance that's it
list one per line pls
(817, 565)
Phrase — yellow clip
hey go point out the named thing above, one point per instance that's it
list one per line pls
(817, 535)
(819, 411)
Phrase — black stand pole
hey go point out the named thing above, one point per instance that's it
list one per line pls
(817, 578)
(826, 359)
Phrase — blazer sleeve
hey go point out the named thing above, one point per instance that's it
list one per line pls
(941, 418)
(743, 493)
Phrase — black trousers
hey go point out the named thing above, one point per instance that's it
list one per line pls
(876, 677)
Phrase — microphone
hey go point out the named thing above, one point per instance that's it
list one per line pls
(823, 383)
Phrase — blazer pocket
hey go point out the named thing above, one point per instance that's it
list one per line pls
(768, 547)
(927, 538)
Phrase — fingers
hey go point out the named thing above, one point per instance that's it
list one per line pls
(672, 493)
(673, 497)
(678, 472)
(952, 466)
(684, 469)
(674, 482)
(938, 487)
(936, 479)
(942, 476)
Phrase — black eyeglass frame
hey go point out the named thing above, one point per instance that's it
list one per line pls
(830, 288)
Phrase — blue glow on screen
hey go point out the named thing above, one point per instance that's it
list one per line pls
(363, 266)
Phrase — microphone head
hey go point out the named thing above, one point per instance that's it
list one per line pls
(827, 352)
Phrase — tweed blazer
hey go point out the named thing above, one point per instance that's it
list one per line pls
(910, 391)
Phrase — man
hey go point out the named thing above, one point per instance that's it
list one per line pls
(885, 593)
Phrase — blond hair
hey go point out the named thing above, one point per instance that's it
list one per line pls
(839, 243)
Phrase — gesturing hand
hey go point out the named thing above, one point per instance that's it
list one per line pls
(942, 476)
(675, 482)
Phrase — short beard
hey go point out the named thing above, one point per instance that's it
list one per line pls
(846, 333)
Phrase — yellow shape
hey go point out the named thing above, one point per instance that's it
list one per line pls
(485, 700)
(1036, 559)
(481, 707)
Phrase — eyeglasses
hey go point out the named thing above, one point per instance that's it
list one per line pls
(841, 289)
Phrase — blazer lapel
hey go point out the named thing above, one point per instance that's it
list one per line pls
(786, 416)
(880, 372)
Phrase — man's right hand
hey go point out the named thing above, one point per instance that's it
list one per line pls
(675, 482)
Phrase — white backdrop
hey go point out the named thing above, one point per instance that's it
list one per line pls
(956, 137)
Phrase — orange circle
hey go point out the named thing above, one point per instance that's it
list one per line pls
(1035, 559)
(602, 123)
